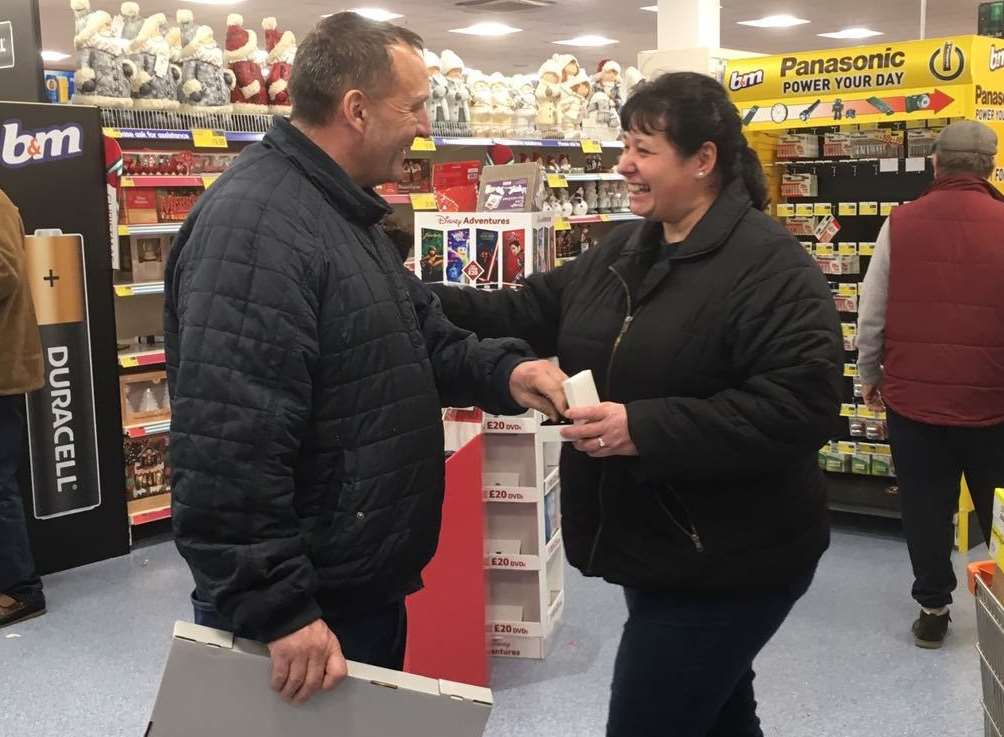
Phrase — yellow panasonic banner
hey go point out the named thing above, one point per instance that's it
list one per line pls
(986, 96)
(913, 80)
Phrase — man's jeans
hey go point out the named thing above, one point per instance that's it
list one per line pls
(17, 567)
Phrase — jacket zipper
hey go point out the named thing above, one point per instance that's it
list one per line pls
(695, 538)
(625, 326)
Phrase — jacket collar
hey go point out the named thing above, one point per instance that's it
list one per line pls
(360, 205)
(709, 234)
(965, 184)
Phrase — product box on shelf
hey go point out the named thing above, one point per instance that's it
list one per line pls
(173, 205)
(148, 256)
(138, 206)
(213, 672)
(157, 163)
(801, 225)
(837, 144)
(798, 146)
(417, 178)
(799, 185)
(144, 398)
(512, 188)
(482, 248)
(455, 185)
(879, 143)
(920, 142)
(147, 472)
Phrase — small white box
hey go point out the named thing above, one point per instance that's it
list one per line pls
(580, 390)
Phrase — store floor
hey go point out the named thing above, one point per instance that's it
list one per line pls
(843, 665)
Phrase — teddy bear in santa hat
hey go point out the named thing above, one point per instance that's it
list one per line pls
(250, 95)
(281, 47)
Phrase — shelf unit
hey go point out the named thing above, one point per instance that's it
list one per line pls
(524, 556)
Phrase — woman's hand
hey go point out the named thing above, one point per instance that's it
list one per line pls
(600, 431)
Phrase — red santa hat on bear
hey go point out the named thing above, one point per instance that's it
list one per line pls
(277, 43)
(241, 43)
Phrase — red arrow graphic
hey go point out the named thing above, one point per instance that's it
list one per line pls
(939, 101)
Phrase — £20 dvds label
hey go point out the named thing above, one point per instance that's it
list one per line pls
(62, 429)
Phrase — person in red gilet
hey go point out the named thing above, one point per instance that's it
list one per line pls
(931, 350)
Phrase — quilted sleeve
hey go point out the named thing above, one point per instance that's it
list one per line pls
(468, 371)
(242, 343)
(785, 351)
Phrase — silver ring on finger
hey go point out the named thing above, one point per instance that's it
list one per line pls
(602, 444)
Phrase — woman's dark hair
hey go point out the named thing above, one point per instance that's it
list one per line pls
(691, 109)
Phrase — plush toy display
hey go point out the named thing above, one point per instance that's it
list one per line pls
(127, 24)
(574, 96)
(281, 47)
(569, 67)
(525, 105)
(548, 96)
(103, 72)
(249, 95)
(608, 80)
(481, 104)
(459, 96)
(503, 108)
(205, 82)
(155, 85)
(437, 105)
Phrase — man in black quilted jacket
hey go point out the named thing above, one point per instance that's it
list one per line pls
(307, 371)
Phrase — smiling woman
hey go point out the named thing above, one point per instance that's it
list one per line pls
(715, 345)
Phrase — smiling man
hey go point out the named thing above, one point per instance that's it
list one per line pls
(307, 370)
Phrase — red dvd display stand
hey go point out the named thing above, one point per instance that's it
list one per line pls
(446, 620)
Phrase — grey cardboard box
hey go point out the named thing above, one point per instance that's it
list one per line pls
(217, 684)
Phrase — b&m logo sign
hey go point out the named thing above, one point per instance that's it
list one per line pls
(745, 80)
(19, 147)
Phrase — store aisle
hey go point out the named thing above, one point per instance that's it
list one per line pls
(843, 666)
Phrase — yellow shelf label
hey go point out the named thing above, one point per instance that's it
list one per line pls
(910, 124)
(206, 138)
(848, 328)
(112, 132)
(848, 410)
(590, 146)
(868, 126)
(847, 209)
(846, 446)
(123, 230)
(866, 412)
(805, 209)
(127, 182)
(128, 362)
(556, 180)
(937, 122)
(847, 290)
(423, 144)
(562, 224)
(424, 201)
(868, 208)
(847, 249)
(822, 208)
(604, 218)
(866, 249)
(785, 210)
(123, 291)
(209, 180)
(888, 207)
(824, 249)
(851, 369)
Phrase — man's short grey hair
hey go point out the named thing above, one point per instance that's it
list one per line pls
(345, 51)
(958, 163)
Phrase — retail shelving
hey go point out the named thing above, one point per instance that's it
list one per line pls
(142, 431)
(139, 289)
(153, 229)
(134, 359)
(523, 545)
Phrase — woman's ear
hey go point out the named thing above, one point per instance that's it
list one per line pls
(707, 158)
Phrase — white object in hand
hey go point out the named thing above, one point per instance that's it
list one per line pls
(580, 390)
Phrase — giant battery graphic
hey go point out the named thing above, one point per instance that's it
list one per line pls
(62, 431)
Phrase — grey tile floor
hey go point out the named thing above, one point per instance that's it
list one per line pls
(842, 666)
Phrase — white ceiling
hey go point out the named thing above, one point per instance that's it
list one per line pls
(619, 19)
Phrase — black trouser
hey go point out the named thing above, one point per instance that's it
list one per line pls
(377, 637)
(685, 663)
(17, 567)
(930, 461)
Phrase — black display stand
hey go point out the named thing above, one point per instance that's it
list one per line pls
(72, 477)
(21, 72)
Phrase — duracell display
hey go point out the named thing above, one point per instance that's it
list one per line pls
(71, 472)
(64, 467)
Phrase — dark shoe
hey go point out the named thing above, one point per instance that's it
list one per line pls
(14, 610)
(930, 629)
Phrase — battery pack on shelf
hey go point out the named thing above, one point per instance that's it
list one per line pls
(799, 185)
(797, 146)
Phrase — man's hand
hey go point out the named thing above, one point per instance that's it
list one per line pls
(872, 395)
(306, 661)
(600, 431)
(537, 385)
